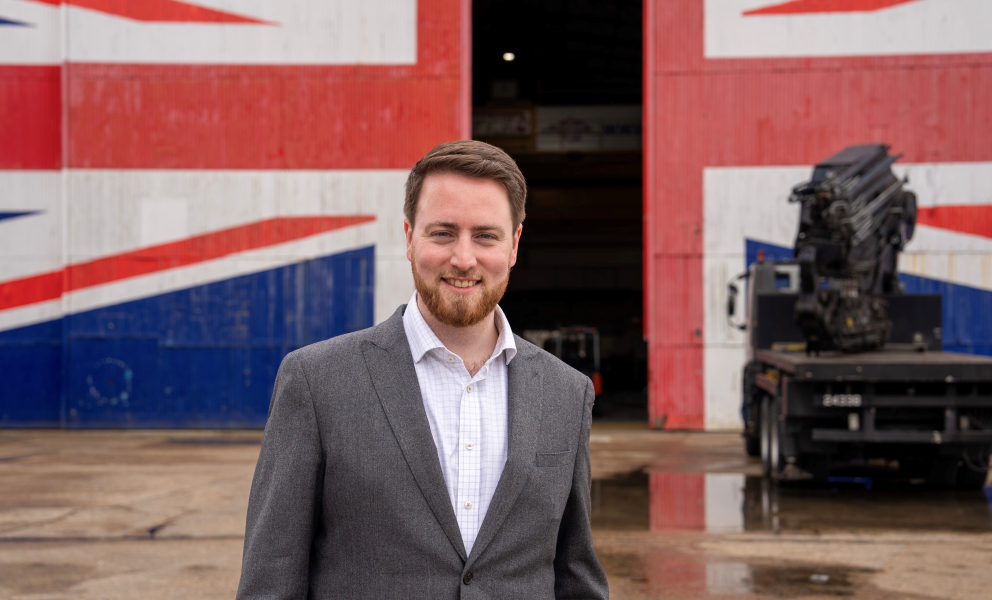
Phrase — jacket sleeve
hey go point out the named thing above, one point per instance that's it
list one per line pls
(578, 574)
(285, 493)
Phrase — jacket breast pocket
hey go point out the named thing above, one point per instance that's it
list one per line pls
(553, 459)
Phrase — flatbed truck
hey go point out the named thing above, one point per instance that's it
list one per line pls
(927, 411)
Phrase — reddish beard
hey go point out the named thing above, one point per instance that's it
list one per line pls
(454, 310)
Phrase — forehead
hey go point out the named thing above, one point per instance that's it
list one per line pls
(459, 198)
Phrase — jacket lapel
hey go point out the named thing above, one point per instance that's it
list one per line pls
(524, 399)
(394, 378)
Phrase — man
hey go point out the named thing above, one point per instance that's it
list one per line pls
(436, 455)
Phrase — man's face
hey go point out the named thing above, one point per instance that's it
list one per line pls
(461, 247)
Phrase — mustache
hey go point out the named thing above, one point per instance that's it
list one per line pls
(470, 274)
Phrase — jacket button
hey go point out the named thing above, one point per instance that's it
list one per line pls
(468, 578)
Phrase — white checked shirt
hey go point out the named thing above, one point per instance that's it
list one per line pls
(468, 416)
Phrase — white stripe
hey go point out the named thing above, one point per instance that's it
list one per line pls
(752, 202)
(949, 256)
(38, 44)
(32, 314)
(333, 32)
(303, 32)
(31, 244)
(921, 27)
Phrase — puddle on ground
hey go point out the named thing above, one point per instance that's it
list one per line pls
(735, 503)
(667, 574)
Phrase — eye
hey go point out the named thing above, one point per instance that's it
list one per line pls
(488, 237)
(441, 234)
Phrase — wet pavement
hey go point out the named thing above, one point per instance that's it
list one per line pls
(160, 514)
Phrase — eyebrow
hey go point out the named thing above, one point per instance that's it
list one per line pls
(456, 227)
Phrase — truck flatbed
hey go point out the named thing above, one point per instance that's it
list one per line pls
(893, 363)
(895, 397)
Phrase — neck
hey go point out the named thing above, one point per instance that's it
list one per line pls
(474, 344)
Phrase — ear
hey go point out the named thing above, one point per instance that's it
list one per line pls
(516, 244)
(408, 231)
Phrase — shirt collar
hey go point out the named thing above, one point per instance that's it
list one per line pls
(422, 338)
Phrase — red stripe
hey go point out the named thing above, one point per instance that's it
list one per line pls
(274, 117)
(247, 117)
(30, 114)
(825, 6)
(197, 249)
(752, 112)
(217, 117)
(162, 11)
(975, 220)
(37, 288)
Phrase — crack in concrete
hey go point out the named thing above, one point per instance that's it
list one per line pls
(152, 531)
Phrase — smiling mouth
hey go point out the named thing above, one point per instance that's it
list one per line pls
(461, 283)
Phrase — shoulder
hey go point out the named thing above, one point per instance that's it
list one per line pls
(348, 344)
(345, 351)
(554, 371)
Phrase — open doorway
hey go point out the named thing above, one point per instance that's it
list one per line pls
(557, 84)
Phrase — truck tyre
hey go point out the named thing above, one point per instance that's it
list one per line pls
(771, 457)
(752, 441)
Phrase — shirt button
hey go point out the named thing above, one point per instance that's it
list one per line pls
(468, 505)
(469, 389)
(451, 358)
(469, 446)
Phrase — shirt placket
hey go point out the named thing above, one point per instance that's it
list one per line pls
(470, 459)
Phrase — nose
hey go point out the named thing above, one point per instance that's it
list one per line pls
(463, 257)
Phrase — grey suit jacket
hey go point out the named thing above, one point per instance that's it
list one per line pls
(348, 499)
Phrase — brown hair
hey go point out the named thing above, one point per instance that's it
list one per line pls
(470, 158)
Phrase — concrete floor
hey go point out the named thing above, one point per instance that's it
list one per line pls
(160, 515)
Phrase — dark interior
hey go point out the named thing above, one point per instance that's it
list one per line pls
(575, 71)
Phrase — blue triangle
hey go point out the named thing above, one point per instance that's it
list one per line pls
(12, 215)
(5, 21)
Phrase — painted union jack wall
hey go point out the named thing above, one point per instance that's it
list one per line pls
(741, 98)
(190, 190)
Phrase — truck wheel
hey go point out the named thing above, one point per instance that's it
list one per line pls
(752, 433)
(771, 457)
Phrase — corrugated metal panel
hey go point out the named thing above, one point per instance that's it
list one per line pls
(233, 190)
(30, 117)
(725, 123)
